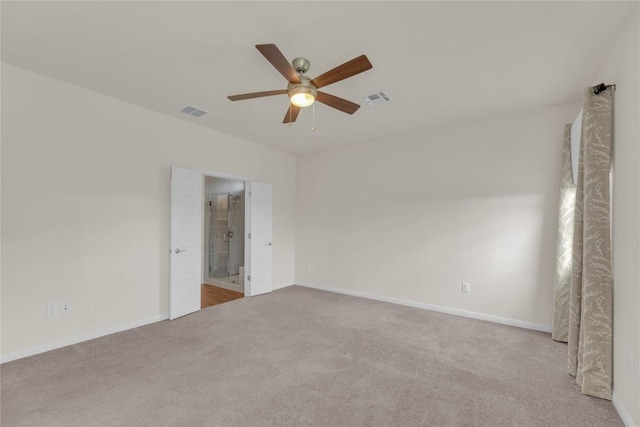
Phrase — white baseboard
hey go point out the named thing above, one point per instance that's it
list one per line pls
(433, 307)
(80, 338)
(622, 411)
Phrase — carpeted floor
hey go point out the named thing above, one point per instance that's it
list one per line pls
(300, 357)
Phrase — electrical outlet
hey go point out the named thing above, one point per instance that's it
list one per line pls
(53, 308)
(466, 287)
(65, 306)
(630, 364)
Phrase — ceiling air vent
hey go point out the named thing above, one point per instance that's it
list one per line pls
(193, 111)
(377, 98)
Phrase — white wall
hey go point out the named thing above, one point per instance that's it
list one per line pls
(85, 192)
(621, 68)
(414, 217)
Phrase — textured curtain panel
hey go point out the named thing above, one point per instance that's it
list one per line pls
(564, 249)
(586, 297)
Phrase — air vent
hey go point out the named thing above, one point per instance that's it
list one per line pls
(193, 111)
(377, 98)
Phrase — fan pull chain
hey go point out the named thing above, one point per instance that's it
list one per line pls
(313, 114)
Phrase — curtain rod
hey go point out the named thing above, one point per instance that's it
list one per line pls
(602, 87)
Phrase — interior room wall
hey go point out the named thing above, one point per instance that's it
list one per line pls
(622, 68)
(85, 192)
(414, 217)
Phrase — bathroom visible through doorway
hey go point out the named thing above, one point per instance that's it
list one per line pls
(224, 236)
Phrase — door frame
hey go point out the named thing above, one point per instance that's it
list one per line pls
(247, 224)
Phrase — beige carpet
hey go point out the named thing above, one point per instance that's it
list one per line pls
(300, 357)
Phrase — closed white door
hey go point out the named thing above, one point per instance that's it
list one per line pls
(261, 248)
(185, 241)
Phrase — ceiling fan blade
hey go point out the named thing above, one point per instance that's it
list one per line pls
(292, 114)
(256, 94)
(337, 103)
(277, 59)
(341, 72)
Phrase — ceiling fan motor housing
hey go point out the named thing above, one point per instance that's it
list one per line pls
(301, 65)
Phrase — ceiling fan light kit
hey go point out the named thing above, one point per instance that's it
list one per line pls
(303, 91)
(302, 94)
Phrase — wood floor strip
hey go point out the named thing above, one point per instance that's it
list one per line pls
(213, 295)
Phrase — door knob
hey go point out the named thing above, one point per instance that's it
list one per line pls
(180, 250)
(269, 244)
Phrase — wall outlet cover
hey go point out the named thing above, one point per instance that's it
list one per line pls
(466, 287)
(53, 308)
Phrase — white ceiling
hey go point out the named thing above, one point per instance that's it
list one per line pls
(441, 62)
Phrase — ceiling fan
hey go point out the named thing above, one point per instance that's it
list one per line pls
(303, 91)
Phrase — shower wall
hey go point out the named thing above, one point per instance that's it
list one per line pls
(224, 228)
(218, 232)
(227, 233)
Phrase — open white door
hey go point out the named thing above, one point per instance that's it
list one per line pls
(259, 276)
(186, 235)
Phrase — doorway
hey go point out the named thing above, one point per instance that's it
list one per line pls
(223, 249)
(189, 264)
